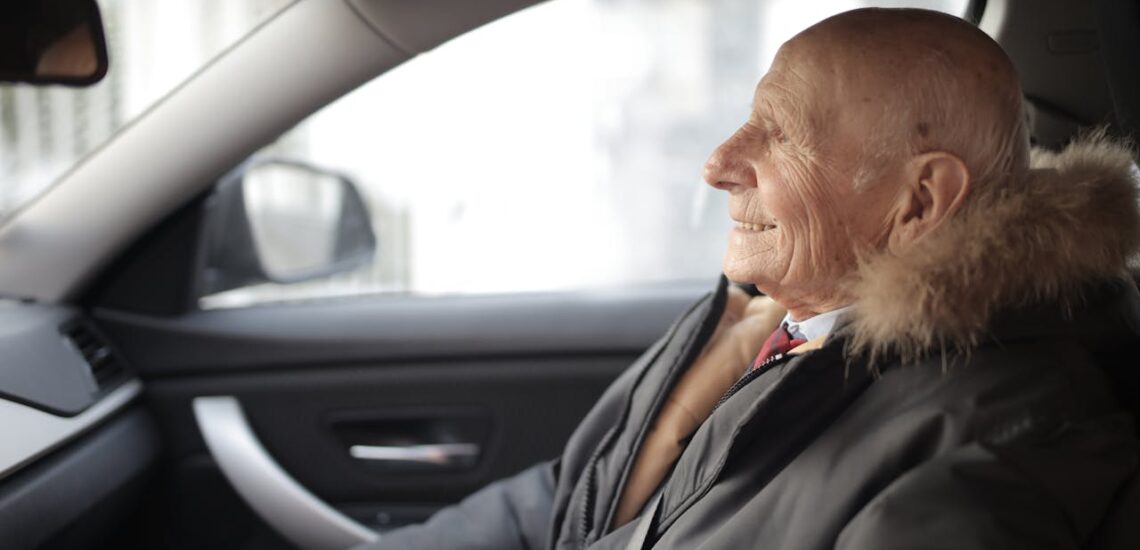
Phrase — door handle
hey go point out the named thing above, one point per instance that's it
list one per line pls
(437, 454)
(283, 503)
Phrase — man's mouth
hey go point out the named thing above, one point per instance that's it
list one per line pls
(754, 226)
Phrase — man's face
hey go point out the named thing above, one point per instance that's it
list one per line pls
(789, 172)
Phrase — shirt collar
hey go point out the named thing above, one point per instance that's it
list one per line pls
(816, 326)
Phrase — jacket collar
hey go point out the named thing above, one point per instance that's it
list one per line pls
(1071, 221)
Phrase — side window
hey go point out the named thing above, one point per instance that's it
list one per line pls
(558, 148)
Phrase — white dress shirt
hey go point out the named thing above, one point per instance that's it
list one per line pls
(816, 326)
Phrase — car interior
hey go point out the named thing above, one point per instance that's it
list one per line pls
(134, 419)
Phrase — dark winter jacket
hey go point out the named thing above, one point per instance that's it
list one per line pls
(981, 394)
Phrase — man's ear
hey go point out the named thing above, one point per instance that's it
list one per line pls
(935, 186)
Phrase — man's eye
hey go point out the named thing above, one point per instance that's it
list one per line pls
(778, 135)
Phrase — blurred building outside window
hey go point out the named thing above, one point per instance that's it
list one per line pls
(153, 46)
(558, 148)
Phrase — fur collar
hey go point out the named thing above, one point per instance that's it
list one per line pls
(1071, 220)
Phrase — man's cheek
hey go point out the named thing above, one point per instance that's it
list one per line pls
(828, 249)
(790, 196)
(774, 201)
(796, 170)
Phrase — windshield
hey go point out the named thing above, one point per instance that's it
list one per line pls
(153, 45)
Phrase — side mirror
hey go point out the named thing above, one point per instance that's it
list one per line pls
(52, 42)
(282, 221)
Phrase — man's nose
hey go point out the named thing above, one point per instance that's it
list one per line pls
(727, 167)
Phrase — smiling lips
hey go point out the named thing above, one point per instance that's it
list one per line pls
(754, 226)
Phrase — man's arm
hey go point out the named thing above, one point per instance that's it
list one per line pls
(506, 515)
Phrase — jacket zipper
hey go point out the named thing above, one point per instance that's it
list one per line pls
(752, 375)
(588, 492)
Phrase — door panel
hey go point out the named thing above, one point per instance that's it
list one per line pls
(530, 406)
(499, 381)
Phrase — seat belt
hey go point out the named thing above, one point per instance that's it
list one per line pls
(641, 532)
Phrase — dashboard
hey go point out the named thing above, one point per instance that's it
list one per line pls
(75, 446)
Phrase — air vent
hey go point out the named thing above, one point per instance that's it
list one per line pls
(96, 350)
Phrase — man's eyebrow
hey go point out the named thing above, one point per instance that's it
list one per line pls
(757, 96)
(780, 113)
(762, 106)
(767, 111)
(792, 119)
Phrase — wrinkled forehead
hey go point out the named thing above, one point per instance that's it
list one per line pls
(806, 83)
(833, 75)
(822, 62)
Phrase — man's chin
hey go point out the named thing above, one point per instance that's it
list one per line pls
(742, 274)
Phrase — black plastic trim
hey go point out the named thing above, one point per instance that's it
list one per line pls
(155, 274)
(386, 329)
(975, 10)
(57, 493)
(1120, 33)
(41, 369)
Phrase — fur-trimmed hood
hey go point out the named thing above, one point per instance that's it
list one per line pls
(1072, 220)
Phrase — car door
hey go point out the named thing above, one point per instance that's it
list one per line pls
(468, 389)
(499, 302)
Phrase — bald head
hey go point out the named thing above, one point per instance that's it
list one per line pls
(870, 130)
(921, 81)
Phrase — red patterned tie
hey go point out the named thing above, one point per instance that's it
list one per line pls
(780, 342)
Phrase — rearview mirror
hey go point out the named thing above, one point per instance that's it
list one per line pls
(52, 42)
(283, 221)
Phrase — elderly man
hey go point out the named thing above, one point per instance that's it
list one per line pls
(952, 311)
